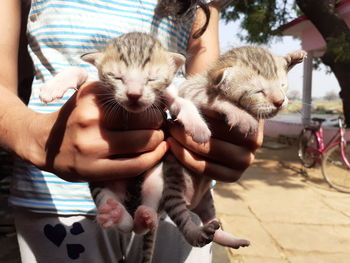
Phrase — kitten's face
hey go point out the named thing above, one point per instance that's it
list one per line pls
(135, 69)
(259, 87)
(136, 88)
(261, 97)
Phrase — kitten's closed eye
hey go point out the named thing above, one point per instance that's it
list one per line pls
(113, 76)
(261, 92)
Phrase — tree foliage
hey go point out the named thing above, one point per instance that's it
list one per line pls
(331, 96)
(261, 19)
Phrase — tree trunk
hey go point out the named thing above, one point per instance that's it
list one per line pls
(322, 14)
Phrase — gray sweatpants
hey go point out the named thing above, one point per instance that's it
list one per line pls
(50, 238)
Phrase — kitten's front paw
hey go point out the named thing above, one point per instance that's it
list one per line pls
(52, 90)
(199, 133)
(248, 126)
(244, 122)
(195, 126)
(55, 88)
(47, 95)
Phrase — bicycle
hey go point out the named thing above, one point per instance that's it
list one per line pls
(334, 156)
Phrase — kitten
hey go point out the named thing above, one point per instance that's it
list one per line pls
(135, 71)
(245, 84)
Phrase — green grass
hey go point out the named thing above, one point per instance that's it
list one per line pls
(318, 107)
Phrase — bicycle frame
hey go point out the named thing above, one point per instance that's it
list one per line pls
(337, 138)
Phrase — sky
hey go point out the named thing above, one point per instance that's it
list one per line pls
(322, 82)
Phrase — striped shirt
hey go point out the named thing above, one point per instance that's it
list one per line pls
(59, 32)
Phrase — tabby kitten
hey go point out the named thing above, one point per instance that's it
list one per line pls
(135, 72)
(245, 84)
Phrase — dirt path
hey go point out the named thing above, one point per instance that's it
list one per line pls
(289, 215)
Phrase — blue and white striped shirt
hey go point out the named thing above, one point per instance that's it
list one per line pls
(59, 32)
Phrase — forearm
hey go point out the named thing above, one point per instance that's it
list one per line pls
(204, 50)
(10, 11)
(15, 122)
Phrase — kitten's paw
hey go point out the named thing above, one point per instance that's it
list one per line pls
(200, 133)
(48, 95)
(249, 126)
(231, 120)
(194, 126)
(197, 129)
(243, 121)
(145, 219)
(52, 91)
(113, 213)
(205, 235)
(228, 240)
(56, 87)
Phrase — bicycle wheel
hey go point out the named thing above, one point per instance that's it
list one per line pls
(334, 169)
(307, 143)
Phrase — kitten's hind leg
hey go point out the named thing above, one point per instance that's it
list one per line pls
(206, 212)
(111, 211)
(228, 240)
(174, 204)
(146, 216)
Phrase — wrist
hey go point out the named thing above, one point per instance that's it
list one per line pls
(31, 143)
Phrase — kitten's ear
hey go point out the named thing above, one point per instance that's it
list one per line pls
(92, 58)
(178, 59)
(218, 76)
(294, 58)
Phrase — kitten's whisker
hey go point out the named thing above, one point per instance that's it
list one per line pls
(153, 112)
(110, 109)
(148, 113)
(162, 103)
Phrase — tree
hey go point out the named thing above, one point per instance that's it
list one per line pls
(262, 20)
(293, 94)
(331, 95)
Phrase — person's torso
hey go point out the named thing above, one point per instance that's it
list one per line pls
(59, 32)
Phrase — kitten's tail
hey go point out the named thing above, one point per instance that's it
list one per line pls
(148, 245)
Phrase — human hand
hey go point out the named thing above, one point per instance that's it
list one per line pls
(224, 158)
(86, 142)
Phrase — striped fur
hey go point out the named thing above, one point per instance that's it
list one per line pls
(141, 60)
(174, 204)
(245, 84)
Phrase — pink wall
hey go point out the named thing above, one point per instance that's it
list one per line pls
(275, 128)
(311, 39)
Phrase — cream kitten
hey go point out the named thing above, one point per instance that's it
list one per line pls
(245, 84)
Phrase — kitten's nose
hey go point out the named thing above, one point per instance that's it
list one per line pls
(134, 97)
(278, 103)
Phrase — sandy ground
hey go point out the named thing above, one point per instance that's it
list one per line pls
(289, 214)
